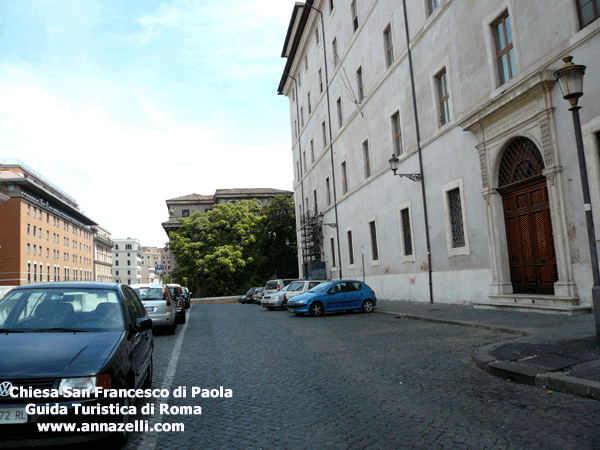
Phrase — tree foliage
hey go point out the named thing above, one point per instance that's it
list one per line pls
(234, 246)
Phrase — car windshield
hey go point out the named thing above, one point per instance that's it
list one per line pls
(61, 310)
(271, 285)
(321, 287)
(148, 293)
(295, 286)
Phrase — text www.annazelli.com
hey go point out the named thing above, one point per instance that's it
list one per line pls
(136, 425)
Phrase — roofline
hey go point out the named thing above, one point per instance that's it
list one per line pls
(301, 24)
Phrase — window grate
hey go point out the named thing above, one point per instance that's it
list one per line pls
(406, 232)
(456, 219)
(374, 249)
(521, 160)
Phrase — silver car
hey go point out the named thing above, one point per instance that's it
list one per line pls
(274, 300)
(159, 304)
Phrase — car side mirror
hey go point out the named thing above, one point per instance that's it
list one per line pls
(143, 324)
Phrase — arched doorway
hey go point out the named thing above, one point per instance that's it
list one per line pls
(532, 258)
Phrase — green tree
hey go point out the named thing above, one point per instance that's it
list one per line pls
(278, 240)
(219, 251)
(236, 246)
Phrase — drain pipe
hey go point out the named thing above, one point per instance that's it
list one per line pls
(337, 228)
(419, 151)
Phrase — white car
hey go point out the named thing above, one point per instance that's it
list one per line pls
(159, 304)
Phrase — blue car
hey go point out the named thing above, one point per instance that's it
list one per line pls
(338, 295)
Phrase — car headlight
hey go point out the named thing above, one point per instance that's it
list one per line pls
(77, 384)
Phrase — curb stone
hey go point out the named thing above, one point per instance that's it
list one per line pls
(549, 381)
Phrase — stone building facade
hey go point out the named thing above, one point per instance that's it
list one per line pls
(463, 94)
(44, 236)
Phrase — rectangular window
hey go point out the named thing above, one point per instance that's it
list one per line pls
(324, 130)
(328, 189)
(443, 97)
(339, 112)
(432, 4)
(350, 248)
(320, 81)
(302, 116)
(304, 158)
(588, 10)
(367, 159)
(505, 53)
(354, 9)
(374, 248)
(406, 232)
(317, 35)
(388, 45)
(309, 105)
(316, 210)
(185, 213)
(312, 152)
(456, 219)
(330, 6)
(332, 245)
(29, 272)
(360, 85)
(397, 135)
(344, 178)
(336, 58)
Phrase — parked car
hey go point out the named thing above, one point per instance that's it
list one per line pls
(247, 297)
(257, 295)
(187, 295)
(338, 295)
(159, 304)
(177, 294)
(274, 300)
(277, 285)
(66, 337)
(300, 287)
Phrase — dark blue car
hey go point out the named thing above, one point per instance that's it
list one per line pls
(338, 295)
(63, 339)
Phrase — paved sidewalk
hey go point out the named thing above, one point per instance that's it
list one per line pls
(553, 351)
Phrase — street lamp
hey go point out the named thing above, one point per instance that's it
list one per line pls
(570, 80)
(394, 160)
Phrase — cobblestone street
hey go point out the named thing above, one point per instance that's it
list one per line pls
(352, 381)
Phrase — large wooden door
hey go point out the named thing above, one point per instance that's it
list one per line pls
(529, 237)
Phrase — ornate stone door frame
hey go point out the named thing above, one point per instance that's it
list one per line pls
(524, 110)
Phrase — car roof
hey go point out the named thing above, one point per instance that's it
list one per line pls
(70, 284)
(152, 285)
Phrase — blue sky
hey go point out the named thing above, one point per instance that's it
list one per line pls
(124, 104)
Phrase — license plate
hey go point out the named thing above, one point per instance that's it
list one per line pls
(150, 308)
(12, 416)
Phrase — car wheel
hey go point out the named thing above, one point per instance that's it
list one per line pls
(316, 309)
(173, 327)
(368, 306)
(148, 381)
(181, 318)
